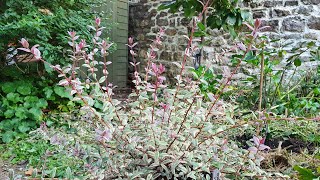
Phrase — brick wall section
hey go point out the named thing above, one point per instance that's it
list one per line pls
(291, 20)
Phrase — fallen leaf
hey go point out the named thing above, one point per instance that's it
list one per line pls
(29, 172)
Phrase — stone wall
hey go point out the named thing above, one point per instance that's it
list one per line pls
(293, 21)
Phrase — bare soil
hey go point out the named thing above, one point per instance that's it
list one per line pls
(290, 144)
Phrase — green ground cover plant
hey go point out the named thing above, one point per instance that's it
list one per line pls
(23, 106)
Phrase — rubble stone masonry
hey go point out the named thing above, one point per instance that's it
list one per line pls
(292, 21)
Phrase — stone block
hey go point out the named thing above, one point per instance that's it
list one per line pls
(314, 22)
(144, 23)
(182, 40)
(291, 3)
(171, 32)
(153, 13)
(172, 22)
(255, 4)
(177, 56)
(272, 3)
(141, 37)
(292, 36)
(273, 36)
(182, 47)
(214, 32)
(146, 30)
(257, 14)
(279, 13)
(182, 32)
(155, 29)
(274, 25)
(309, 2)
(174, 48)
(173, 15)
(152, 22)
(219, 41)
(185, 22)
(152, 37)
(170, 40)
(305, 10)
(162, 22)
(143, 54)
(163, 14)
(165, 55)
(293, 24)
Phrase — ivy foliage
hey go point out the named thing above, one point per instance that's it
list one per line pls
(221, 14)
(45, 23)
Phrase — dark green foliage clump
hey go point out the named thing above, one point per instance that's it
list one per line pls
(45, 23)
(28, 90)
(221, 14)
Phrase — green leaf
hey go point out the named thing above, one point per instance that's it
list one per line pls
(48, 68)
(201, 26)
(297, 62)
(53, 172)
(9, 113)
(31, 99)
(102, 79)
(304, 173)
(21, 113)
(8, 124)
(27, 104)
(245, 15)
(36, 112)
(42, 103)
(69, 173)
(8, 87)
(49, 123)
(13, 97)
(24, 89)
(231, 20)
(192, 175)
(316, 91)
(62, 92)
(198, 34)
(8, 136)
(232, 31)
(311, 44)
(48, 92)
(149, 177)
(23, 127)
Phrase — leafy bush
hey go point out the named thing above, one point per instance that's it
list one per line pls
(210, 79)
(25, 88)
(160, 132)
(220, 14)
(285, 88)
(44, 23)
(290, 90)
